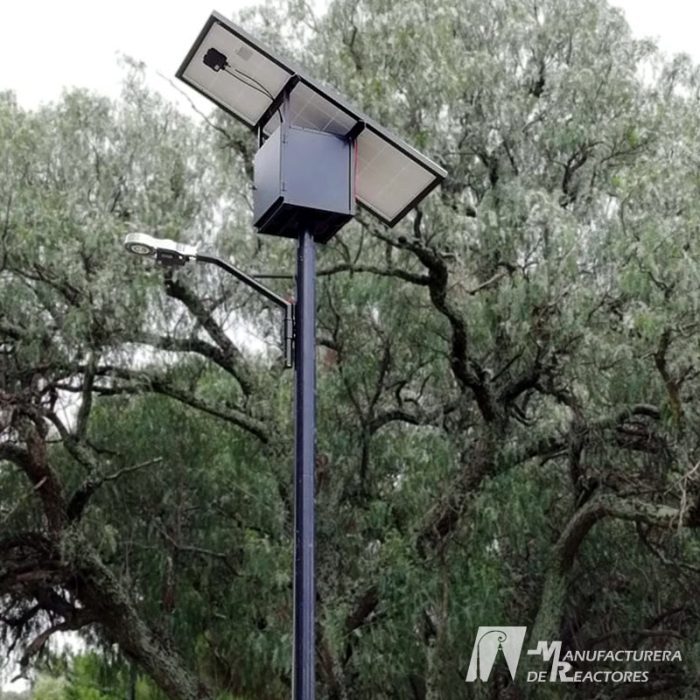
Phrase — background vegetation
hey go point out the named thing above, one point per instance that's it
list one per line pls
(508, 381)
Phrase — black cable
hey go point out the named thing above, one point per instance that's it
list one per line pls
(240, 75)
(217, 61)
(253, 80)
(259, 87)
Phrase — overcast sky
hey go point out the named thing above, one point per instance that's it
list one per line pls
(47, 45)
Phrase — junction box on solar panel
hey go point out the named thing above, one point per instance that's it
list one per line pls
(303, 180)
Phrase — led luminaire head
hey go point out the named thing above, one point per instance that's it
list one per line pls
(164, 250)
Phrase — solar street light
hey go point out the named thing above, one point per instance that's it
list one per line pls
(318, 156)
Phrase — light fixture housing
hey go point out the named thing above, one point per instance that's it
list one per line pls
(253, 83)
(140, 244)
(164, 250)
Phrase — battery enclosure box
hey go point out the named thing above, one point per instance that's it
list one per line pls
(303, 180)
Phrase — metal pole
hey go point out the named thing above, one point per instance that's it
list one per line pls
(303, 673)
(132, 681)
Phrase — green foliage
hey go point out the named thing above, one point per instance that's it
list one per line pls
(49, 688)
(92, 676)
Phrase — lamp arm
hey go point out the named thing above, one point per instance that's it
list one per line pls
(246, 279)
(284, 304)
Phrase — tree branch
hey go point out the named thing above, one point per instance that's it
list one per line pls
(193, 345)
(465, 369)
(143, 382)
(77, 503)
(86, 400)
(601, 506)
(412, 277)
(76, 621)
(232, 356)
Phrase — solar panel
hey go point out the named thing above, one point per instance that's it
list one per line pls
(248, 80)
(247, 86)
(309, 109)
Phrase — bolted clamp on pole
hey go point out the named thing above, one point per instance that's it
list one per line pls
(289, 334)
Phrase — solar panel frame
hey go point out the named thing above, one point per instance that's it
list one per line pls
(216, 18)
(298, 76)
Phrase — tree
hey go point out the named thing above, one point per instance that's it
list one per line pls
(78, 172)
(507, 381)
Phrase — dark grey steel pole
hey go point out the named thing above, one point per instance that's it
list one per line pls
(304, 674)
